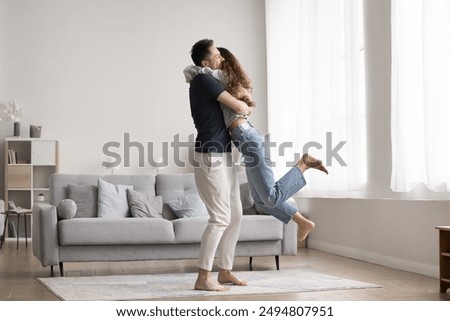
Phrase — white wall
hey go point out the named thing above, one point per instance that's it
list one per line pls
(89, 71)
(2, 48)
(382, 227)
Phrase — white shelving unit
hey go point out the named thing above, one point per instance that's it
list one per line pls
(29, 162)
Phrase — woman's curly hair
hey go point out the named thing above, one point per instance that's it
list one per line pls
(236, 76)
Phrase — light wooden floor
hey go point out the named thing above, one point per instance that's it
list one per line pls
(19, 270)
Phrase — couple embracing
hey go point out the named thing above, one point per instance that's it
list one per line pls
(221, 101)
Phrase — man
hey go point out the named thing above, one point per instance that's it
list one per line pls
(215, 175)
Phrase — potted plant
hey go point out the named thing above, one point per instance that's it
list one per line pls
(12, 111)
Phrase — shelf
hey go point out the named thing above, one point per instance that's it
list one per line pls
(445, 254)
(445, 280)
(35, 160)
(41, 175)
(26, 139)
(21, 198)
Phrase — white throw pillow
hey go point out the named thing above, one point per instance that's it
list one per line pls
(112, 200)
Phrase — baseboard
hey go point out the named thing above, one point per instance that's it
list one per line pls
(388, 261)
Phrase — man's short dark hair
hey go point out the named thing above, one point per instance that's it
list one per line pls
(200, 51)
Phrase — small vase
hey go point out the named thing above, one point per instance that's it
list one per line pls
(16, 128)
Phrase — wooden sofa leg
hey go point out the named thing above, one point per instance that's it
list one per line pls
(250, 263)
(61, 268)
(51, 271)
(277, 262)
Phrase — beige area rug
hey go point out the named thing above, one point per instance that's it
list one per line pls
(179, 285)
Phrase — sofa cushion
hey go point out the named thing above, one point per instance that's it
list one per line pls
(115, 231)
(248, 204)
(173, 186)
(144, 204)
(260, 228)
(66, 209)
(189, 205)
(254, 228)
(189, 230)
(85, 196)
(112, 200)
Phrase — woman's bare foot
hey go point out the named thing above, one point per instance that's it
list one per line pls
(307, 161)
(304, 229)
(305, 226)
(225, 276)
(204, 282)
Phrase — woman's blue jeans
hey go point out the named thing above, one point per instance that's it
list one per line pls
(270, 196)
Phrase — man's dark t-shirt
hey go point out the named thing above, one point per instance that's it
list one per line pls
(212, 136)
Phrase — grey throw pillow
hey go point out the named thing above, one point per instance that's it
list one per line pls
(66, 209)
(85, 197)
(112, 200)
(144, 204)
(190, 205)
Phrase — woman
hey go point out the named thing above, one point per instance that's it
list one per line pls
(270, 196)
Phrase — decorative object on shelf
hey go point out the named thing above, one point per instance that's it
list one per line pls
(16, 128)
(12, 111)
(40, 197)
(35, 131)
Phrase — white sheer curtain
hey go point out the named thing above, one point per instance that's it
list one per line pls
(420, 94)
(316, 86)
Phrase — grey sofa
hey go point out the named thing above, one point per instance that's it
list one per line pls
(93, 239)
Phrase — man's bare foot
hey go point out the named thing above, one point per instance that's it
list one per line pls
(225, 276)
(209, 285)
(304, 228)
(205, 283)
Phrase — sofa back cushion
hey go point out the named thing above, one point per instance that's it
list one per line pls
(59, 186)
(174, 186)
(139, 182)
(85, 198)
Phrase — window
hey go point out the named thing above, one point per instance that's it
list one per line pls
(420, 94)
(316, 88)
